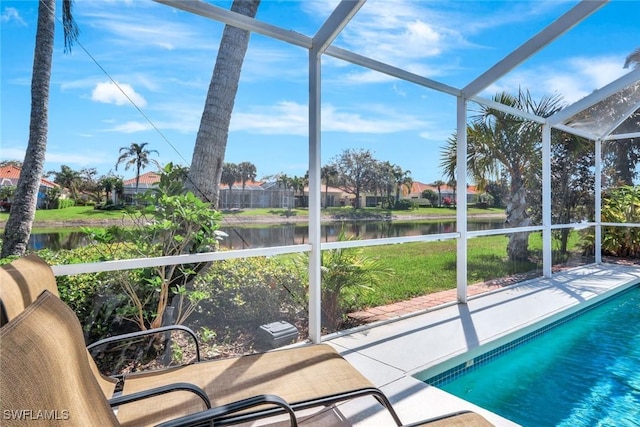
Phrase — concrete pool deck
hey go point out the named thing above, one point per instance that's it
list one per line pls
(396, 356)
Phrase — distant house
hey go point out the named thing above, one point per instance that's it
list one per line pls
(146, 181)
(9, 176)
(446, 192)
(256, 194)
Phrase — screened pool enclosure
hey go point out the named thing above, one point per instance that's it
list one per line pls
(608, 115)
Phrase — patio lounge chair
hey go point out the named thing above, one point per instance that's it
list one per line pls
(46, 376)
(239, 389)
(305, 377)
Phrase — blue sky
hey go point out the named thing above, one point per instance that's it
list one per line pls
(163, 59)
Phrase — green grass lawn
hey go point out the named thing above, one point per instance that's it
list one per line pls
(424, 268)
(74, 213)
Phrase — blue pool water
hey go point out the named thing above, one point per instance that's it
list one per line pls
(584, 372)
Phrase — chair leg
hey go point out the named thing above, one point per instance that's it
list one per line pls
(380, 397)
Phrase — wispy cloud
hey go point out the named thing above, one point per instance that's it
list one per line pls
(290, 118)
(396, 32)
(119, 94)
(157, 30)
(75, 158)
(54, 155)
(573, 78)
(11, 14)
(130, 127)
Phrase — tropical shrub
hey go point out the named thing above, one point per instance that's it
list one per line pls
(167, 222)
(341, 270)
(95, 297)
(621, 205)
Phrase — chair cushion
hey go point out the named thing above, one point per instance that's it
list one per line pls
(45, 373)
(464, 419)
(23, 281)
(297, 375)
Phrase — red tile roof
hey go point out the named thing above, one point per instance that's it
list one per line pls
(147, 178)
(419, 187)
(9, 175)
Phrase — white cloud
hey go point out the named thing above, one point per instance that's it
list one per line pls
(119, 94)
(290, 118)
(154, 31)
(10, 14)
(599, 71)
(9, 153)
(573, 78)
(75, 158)
(130, 127)
(395, 32)
(69, 158)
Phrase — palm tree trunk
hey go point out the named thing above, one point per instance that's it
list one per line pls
(517, 216)
(23, 210)
(137, 179)
(211, 141)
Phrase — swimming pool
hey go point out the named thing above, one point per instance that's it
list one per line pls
(582, 372)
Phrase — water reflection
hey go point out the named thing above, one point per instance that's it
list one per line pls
(57, 240)
(243, 237)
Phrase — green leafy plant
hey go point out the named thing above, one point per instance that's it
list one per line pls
(168, 221)
(621, 205)
(343, 269)
(246, 293)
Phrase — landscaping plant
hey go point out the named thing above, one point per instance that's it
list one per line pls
(343, 269)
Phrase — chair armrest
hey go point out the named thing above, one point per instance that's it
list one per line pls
(124, 337)
(210, 415)
(169, 388)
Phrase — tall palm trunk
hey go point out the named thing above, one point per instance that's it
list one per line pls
(23, 209)
(211, 142)
(517, 216)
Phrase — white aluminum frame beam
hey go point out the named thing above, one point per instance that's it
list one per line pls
(622, 136)
(238, 20)
(577, 132)
(598, 202)
(614, 125)
(217, 13)
(390, 70)
(533, 45)
(547, 258)
(327, 33)
(509, 110)
(461, 202)
(335, 23)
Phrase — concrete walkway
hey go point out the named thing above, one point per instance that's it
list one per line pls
(397, 356)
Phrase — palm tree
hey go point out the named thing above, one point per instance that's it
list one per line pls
(246, 172)
(230, 175)
(438, 184)
(329, 174)
(211, 141)
(403, 180)
(284, 182)
(498, 140)
(298, 183)
(136, 155)
(633, 59)
(23, 210)
(67, 178)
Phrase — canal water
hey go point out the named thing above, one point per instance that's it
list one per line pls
(261, 236)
